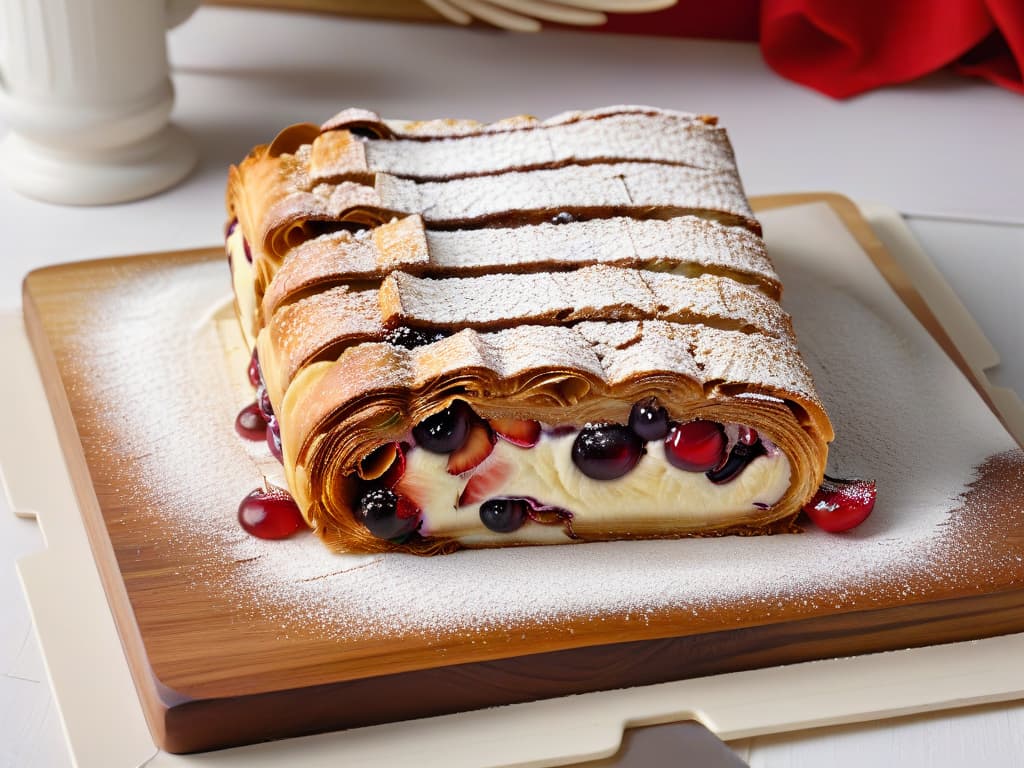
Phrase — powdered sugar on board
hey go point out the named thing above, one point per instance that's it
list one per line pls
(903, 415)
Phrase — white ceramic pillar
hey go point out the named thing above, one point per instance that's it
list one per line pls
(86, 92)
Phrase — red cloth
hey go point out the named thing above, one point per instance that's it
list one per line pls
(718, 19)
(846, 47)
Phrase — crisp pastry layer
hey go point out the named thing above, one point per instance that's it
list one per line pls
(521, 332)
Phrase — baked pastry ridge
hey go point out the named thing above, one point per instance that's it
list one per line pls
(574, 335)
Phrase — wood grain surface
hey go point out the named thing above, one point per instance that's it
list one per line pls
(213, 674)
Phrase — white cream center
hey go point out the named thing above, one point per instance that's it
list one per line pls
(243, 278)
(654, 491)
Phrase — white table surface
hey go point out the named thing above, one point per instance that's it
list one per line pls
(946, 150)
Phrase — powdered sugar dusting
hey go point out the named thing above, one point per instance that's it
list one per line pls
(662, 137)
(895, 401)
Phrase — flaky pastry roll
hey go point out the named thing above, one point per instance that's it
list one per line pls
(522, 332)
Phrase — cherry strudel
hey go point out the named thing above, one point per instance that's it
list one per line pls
(520, 332)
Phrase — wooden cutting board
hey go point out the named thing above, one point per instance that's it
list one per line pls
(123, 343)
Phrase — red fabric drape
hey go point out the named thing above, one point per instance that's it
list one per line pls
(845, 47)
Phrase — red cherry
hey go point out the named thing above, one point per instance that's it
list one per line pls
(270, 514)
(747, 435)
(840, 505)
(696, 446)
(250, 424)
(273, 437)
(255, 378)
(263, 400)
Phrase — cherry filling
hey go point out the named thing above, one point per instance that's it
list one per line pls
(263, 401)
(227, 234)
(410, 338)
(387, 515)
(696, 446)
(601, 452)
(739, 457)
(606, 452)
(445, 431)
(649, 420)
(389, 506)
(504, 515)
(254, 371)
(385, 507)
(273, 435)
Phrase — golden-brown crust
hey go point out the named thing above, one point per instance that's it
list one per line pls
(563, 324)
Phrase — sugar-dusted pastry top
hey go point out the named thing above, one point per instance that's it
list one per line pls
(659, 164)
(688, 245)
(339, 317)
(534, 282)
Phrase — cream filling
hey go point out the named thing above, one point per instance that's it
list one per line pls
(653, 490)
(243, 280)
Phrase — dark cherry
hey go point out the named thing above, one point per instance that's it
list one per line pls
(739, 457)
(695, 446)
(504, 515)
(563, 217)
(273, 435)
(248, 250)
(649, 420)
(410, 338)
(386, 514)
(263, 401)
(446, 431)
(270, 514)
(231, 228)
(606, 452)
(255, 376)
(250, 424)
